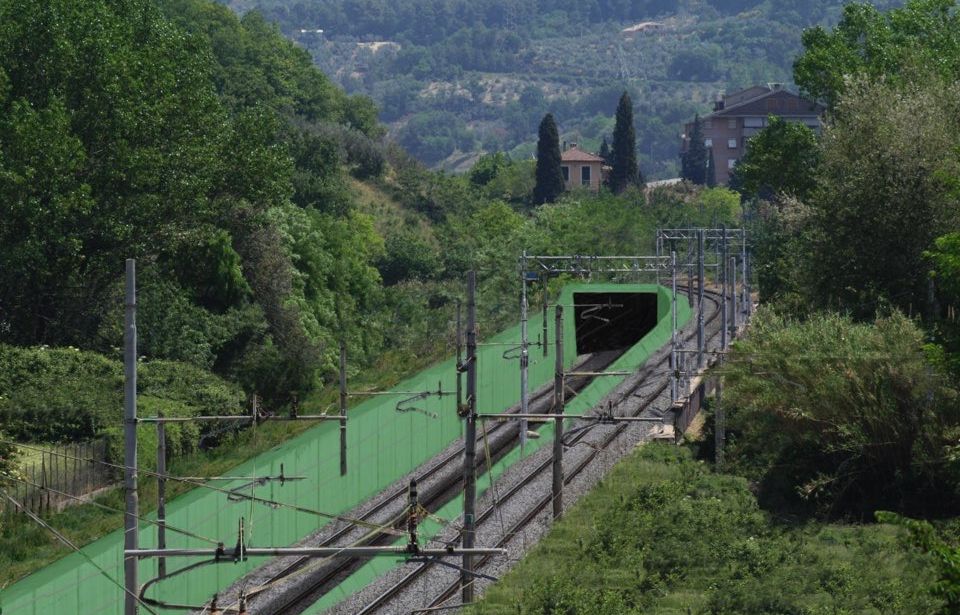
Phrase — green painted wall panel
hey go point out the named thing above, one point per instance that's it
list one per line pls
(383, 446)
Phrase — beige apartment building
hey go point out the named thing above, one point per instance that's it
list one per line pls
(737, 117)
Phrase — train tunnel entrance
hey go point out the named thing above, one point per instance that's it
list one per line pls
(613, 321)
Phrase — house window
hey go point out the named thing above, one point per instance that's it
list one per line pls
(565, 170)
(708, 124)
(732, 143)
(732, 123)
(708, 142)
(753, 122)
(585, 176)
(731, 162)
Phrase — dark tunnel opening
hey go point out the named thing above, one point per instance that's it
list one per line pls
(613, 321)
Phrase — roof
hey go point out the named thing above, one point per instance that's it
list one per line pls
(747, 106)
(575, 154)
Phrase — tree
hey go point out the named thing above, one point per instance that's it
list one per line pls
(849, 417)
(879, 45)
(605, 151)
(711, 170)
(781, 159)
(886, 189)
(549, 184)
(625, 169)
(694, 163)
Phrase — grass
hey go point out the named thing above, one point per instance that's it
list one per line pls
(663, 534)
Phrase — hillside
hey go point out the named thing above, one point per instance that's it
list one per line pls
(454, 77)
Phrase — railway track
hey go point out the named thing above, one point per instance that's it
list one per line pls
(541, 469)
(501, 436)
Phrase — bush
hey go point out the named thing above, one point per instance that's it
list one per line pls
(841, 417)
(663, 534)
(63, 394)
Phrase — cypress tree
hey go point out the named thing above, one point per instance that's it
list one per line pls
(605, 151)
(625, 169)
(695, 159)
(549, 177)
(711, 170)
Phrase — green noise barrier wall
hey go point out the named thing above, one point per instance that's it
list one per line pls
(383, 445)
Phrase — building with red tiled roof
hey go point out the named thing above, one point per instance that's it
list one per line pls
(581, 169)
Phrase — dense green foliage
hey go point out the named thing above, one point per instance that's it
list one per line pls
(549, 180)
(209, 149)
(947, 557)
(880, 45)
(65, 394)
(843, 417)
(782, 160)
(662, 534)
(885, 190)
(625, 172)
(500, 65)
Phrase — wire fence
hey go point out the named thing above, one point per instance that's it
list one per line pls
(70, 469)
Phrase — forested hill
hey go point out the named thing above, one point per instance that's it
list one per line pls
(454, 77)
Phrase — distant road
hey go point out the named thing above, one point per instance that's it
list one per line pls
(664, 182)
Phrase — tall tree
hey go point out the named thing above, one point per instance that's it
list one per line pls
(711, 169)
(549, 177)
(780, 160)
(886, 188)
(880, 45)
(625, 169)
(694, 164)
(605, 151)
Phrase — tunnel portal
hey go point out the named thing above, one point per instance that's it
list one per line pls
(613, 321)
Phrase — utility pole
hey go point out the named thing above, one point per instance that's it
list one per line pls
(459, 361)
(747, 295)
(733, 297)
(524, 352)
(722, 272)
(701, 280)
(545, 341)
(746, 274)
(161, 495)
(413, 503)
(470, 443)
(659, 253)
(343, 407)
(558, 403)
(720, 422)
(674, 385)
(131, 528)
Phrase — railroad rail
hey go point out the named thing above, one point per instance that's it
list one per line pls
(501, 438)
(540, 470)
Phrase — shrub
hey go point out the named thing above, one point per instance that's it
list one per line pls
(841, 416)
(64, 394)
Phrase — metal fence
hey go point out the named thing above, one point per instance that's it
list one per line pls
(52, 480)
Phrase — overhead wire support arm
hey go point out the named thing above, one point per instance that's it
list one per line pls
(235, 553)
(581, 417)
(237, 417)
(402, 405)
